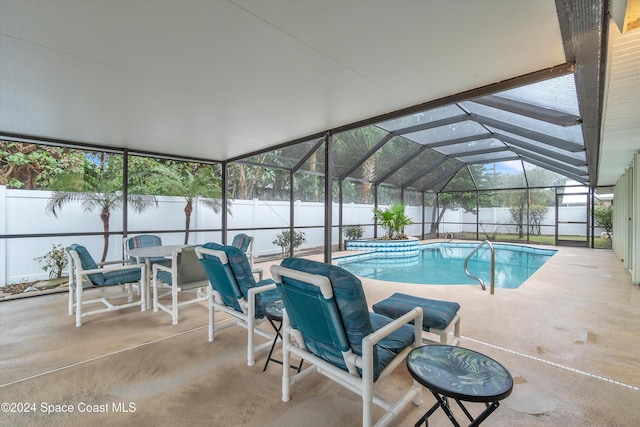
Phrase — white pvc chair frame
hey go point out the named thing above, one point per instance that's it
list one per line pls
(445, 333)
(362, 385)
(246, 319)
(175, 288)
(79, 276)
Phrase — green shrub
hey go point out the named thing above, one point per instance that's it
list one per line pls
(353, 232)
(54, 261)
(604, 218)
(283, 239)
(394, 220)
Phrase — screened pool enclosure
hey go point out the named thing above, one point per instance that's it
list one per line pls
(509, 165)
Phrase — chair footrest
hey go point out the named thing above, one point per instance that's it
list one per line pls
(437, 314)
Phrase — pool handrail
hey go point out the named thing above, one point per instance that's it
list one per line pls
(493, 262)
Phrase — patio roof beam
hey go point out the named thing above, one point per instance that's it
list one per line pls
(368, 154)
(555, 117)
(400, 164)
(476, 152)
(550, 162)
(423, 172)
(540, 150)
(306, 157)
(581, 179)
(536, 136)
(473, 179)
(480, 162)
(259, 165)
(524, 173)
(445, 178)
(461, 140)
(431, 125)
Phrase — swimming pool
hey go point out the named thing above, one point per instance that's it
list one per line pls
(443, 263)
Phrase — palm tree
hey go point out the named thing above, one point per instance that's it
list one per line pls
(195, 183)
(394, 220)
(349, 147)
(101, 191)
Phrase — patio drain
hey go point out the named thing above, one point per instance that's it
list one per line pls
(557, 365)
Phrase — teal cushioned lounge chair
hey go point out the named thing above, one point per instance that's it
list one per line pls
(327, 323)
(244, 242)
(85, 273)
(235, 292)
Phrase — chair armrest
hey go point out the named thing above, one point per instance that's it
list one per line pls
(365, 362)
(263, 288)
(251, 304)
(157, 267)
(414, 314)
(116, 268)
(220, 254)
(116, 261)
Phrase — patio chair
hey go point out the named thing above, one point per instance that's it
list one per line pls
(85, 273)
(143, 241)
(235, 292)
(244, 242)
(184, 273)
(327, 323)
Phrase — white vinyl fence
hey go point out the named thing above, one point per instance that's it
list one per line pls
(23, 212)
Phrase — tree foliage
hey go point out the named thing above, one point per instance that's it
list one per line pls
(353, 232)
(31, 166)
(54, 261)
(527, 207)
(349, 147)
(604, 217)
(97, 186)
(283, 239)
(467, 200)
(195, 182)
(245, 181)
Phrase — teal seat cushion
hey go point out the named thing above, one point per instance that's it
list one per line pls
(241, 241)
(239, 278)
(396, 341)
(121, 277)
(87, 263)
(165, 277)
(436, 314)
(146, 240)
(108, 278)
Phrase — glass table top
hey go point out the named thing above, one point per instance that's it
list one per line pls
(274, 310)
(459, 373)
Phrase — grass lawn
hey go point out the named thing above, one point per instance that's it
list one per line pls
(544, 239)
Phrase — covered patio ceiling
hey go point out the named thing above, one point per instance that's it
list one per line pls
(222, 80)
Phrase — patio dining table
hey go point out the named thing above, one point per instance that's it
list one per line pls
(147, 252)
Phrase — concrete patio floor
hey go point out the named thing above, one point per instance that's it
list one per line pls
(570, 336)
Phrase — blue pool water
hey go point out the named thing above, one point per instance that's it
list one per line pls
(443, 263)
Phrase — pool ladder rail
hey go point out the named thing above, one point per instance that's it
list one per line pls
(493, 263)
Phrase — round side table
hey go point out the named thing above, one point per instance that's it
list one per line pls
(460, 374)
